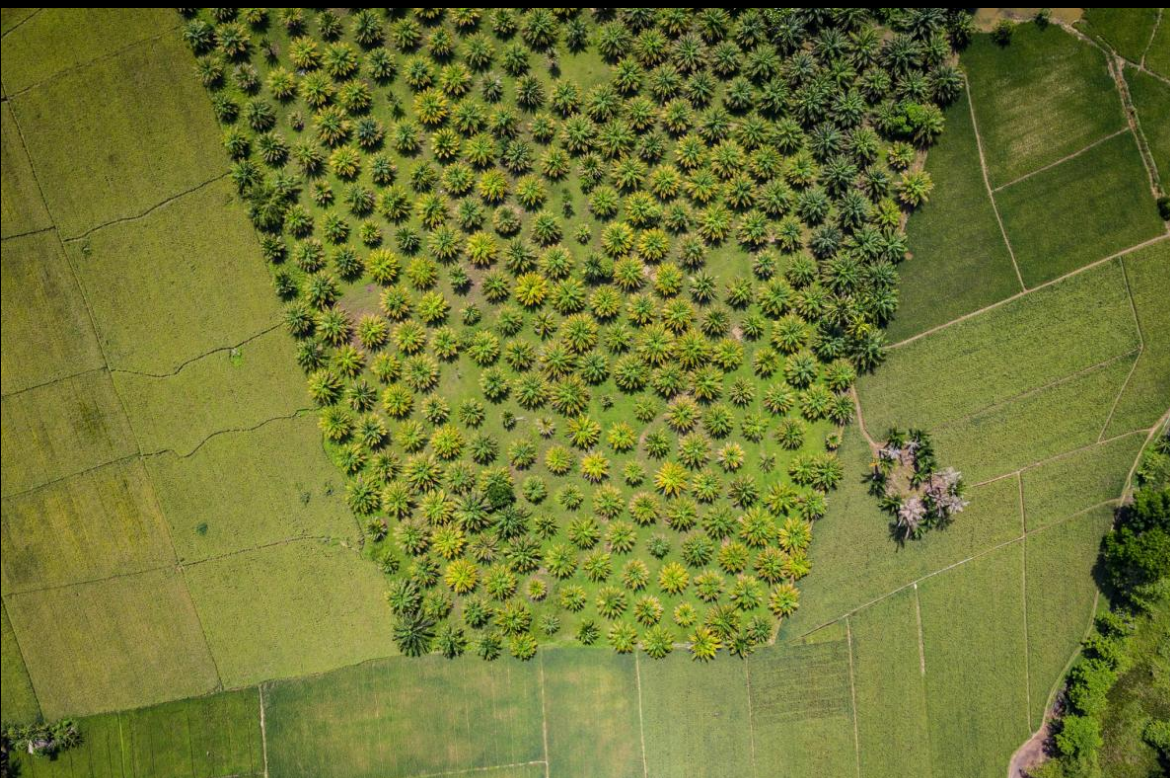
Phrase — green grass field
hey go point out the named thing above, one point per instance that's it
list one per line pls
(22, 209)
(18, 701)
(1038, 100)
(1151, 101)
(1127, 31)
(960, 261)
(1078, 480)
(1158, 54)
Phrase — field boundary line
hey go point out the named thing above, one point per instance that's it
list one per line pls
(52, 381)
(263, 729)
(21, 23)
(999, 303)
(23, 661)
(1109, 50)
(186, 362)
(29, 233)
(921, 640)
(1081, 373)
(1153, 34)
(1149, 436)
(89, 62)
(641, 723)
(747, 675)
(1061, 455)
(1066, 158)
(1137, 323)
(227, 431)
(59, 479)
(138, 217)
(1024, 603)
(853, 699)
(543, 714)
(472, 770)
(987, 183)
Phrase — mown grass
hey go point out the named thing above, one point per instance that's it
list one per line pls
(102, 523)
(60, 429)
(38, 286)
(1084, 209)
(1125, 30)
(802, 709)
(976, 671)
(234, 494)
(290, 609)
(1037, 426)
(1017, 347)
(1060, 593)
(98, 166)
(1039, 99)
(22, 209)
(202, 737)
(224, 391)
(401, 717)
(1081, 479)
(891, 695)
(131, 640)
(696, 717)
(18, 700)
(960, 262)
(196, 283)
(1144, 401)
(591, 705)
(866, 563)
(1151, 101)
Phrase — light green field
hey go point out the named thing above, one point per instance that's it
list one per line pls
(132, 640)
(18, 701)
(61, 429)
(593, 715)
(1143, 401)
(290, 609)
(105, 522)
(1078, 480)
(231, 496)
(960, 262)
(1158, 54)
(224, 392)
(1038, 100)
(696, 718)
(207, 284)
(1060, 593)
(1151, 100)
(22, 209)
(976, 666)
(1125, 30)
(892, 724)
(204, 737)
(1015, 348)
(406, 718)
(38, 283)
(1082, 210)
(98, 166)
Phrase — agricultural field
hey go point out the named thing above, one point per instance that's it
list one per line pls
(434, 392)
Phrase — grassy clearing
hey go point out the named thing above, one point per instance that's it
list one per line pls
(976, 698)
(1084, 209)
(38, 287)
(232, 495)
(1042, 98)
(404, 718)
(1027, 343)
(1079, 480)
(1125, 30)
(195, 265)
(132, 639)
(1151, 100)
(21, 207)
(18, 701)
(203, 737)
(98, 166)
(802, 710)
(1144, 401)
(226, 390)
(591, 704)
(290, 609)
(77, 39)
(960, 261)
(891, 702)
(1158, 55)
(60, 429)
(696, 717)
(1041, 425)
(856, 561)
(101, 523)
(1060, 595)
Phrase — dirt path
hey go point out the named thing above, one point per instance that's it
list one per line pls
(1031, 754)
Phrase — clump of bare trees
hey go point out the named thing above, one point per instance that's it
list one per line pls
(917, 494)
